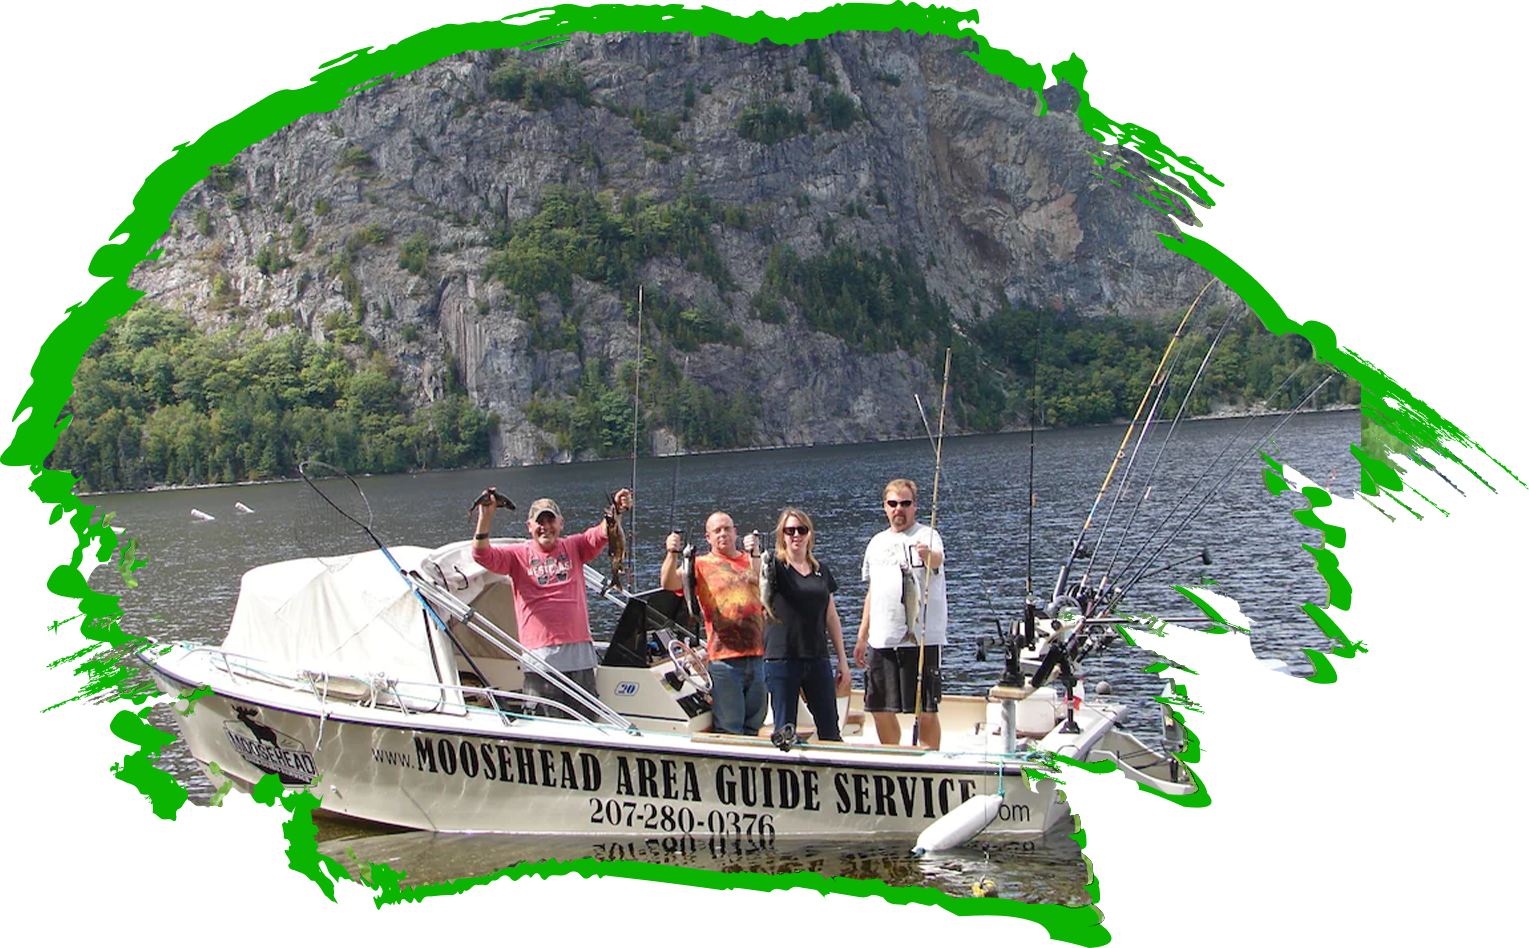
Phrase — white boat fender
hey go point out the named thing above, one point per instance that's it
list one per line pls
(201, 516)
(239, 506)
(959, 825)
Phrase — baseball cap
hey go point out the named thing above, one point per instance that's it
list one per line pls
(545, 505)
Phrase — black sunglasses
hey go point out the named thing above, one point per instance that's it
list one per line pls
(796, 531)
(899, 503)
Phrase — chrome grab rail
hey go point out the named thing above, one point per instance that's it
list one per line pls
(497, 637)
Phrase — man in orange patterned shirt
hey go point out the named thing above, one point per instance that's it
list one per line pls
(727, 586)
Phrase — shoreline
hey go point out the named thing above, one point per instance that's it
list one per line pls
(1217, 416)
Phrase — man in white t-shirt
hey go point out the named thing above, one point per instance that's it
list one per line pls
(904, 609)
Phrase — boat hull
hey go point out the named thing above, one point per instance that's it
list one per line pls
(479, 772)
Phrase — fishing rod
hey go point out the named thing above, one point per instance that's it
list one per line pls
(1077, 545)
(1035, 400)
(1125, 478)
(1233, 440)
(934, 510)
(674, 489)
(636, 414)
(997, 616)
(1203, 556)
(1173, 428)
(1075, 649)
(1225, 479)
(1023, 633)
(322, 470)
(687, 551)
(674, 486)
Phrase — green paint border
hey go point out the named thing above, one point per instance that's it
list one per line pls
(1272, 113)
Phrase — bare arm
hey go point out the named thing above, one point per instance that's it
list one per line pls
(669, 576)
(836, 635)
(865, 624)
(836, 632)
(485, 525)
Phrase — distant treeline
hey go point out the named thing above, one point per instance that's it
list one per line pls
(157, 401)
(1067, 370)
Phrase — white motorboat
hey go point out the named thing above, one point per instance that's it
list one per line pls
(388, 683)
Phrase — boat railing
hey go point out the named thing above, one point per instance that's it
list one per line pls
(366, 689)
(369, 690)
(506, 643)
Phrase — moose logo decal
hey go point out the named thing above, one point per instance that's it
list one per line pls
(270, 750)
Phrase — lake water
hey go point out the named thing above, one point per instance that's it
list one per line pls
(187, 591)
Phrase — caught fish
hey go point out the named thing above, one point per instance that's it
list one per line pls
(915, 576)
(687, 580)
(767, 581)
(617, 538)
(912, 598)
(492, 496)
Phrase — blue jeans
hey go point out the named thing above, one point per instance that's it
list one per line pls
(737, 695)
(814, 678)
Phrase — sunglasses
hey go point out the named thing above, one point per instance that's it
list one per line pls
(893, 504)
(796, 531)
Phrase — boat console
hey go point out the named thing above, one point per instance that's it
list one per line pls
(650, 673)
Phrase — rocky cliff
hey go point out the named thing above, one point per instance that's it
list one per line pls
(720, 178)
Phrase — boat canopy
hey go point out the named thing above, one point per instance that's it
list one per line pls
(353, 616)
(453, 568)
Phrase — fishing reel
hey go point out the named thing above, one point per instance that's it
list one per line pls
(1083, 599)
(785, 738)
(1024, 634)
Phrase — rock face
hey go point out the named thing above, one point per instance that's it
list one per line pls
(378, 224)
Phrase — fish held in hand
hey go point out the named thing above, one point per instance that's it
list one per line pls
(767, 582)
(912, 598)
(687, 580)
(617, 538)
(492, 496)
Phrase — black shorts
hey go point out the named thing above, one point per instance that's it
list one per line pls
(891, 679)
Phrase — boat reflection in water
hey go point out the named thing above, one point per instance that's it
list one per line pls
(1044, 870)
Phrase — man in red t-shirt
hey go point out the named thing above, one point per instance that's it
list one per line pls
(550, 606)
(727, 586)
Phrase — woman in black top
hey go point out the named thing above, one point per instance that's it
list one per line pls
(803, 623)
